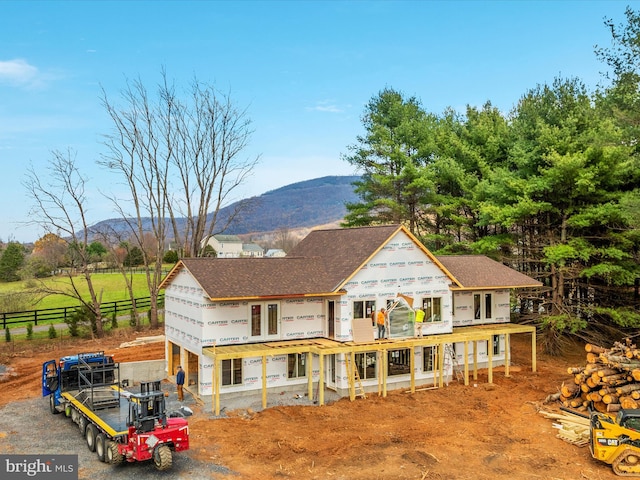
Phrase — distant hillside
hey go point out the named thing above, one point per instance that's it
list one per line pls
(303, 204)
(300, 205)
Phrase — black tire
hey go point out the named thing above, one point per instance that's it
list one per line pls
(90, 435)
(82, 424)
(112, 455)
(52, 404)
(100, 446)
(162, 457)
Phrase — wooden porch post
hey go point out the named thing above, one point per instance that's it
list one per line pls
(321, 382)
(507, 356)
(264, 381)
(466, 362)
(490, 354)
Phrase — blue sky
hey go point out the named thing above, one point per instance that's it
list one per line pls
(303, 70)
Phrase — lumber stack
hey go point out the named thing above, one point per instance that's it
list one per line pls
(571, 428)
(609, 381)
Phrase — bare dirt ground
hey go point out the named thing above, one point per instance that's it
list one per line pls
(480, 431)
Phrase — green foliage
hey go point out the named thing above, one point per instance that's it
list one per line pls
(83, 319)
(563, 323)
(36, 267)
(29, 331)
(7, 335)
(96, 251)
(11, 261)
(398, 145)
(134, 257)
(171, 256)
(52, 333)
(114, 321)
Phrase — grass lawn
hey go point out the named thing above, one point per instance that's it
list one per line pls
(111, 285)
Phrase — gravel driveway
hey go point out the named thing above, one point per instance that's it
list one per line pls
(28, 427)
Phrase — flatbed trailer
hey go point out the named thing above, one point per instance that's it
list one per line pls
(117, 424)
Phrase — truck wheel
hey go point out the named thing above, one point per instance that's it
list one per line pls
(52, 404)
(100, 447)
(82, 424)
(90, 436)
(112, 453)
(162, 457)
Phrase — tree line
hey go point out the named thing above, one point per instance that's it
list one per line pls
(551, 188)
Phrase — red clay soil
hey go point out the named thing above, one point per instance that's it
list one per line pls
(480, 431)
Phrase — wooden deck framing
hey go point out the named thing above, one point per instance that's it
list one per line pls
(323, 346)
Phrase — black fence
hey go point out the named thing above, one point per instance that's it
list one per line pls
(60, 315)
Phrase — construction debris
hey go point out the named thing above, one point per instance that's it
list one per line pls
(572, 428)
(142, 341)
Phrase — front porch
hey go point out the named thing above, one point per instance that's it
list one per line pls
(321, 347)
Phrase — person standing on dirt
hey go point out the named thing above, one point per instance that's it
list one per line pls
(180, 383)
(380, 321)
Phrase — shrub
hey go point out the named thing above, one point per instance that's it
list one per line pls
(29, 331)
(81, 317)
(53, 333)
(7, 334)
(114, 320)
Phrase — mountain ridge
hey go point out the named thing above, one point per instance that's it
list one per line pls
(305, 204)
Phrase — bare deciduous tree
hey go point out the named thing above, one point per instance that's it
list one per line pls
(59, 207)
(181, 160)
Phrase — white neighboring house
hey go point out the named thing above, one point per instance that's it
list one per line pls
(229, 320)
(252, 250)
(225, 246)
(231, 246)
(275, 253)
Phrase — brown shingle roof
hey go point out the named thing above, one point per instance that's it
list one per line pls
(344, 250)
(478, 271)
(259, 277)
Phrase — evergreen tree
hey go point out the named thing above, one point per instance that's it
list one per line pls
(11, 261)
(393, 155)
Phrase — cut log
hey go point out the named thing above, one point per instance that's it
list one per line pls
(569, 390)
(610, 379)
(589, 347)
(635, 373)
(600, 406)
(613, 407)
(628, 403)
(596, 397)
(609, 398)
(592, 384)
(605, 372)
(630, 387)
(605, 390)
(593, 357)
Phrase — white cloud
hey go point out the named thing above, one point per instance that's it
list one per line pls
(19, 72)
(326, 106)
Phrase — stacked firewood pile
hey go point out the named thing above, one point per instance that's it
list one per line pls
(609, 381)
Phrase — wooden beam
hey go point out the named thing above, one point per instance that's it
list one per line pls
(412, 364)
(507, 354)
(533, 351)
(321, 382)
(264, 381)
(490, 355)
(475, 360)
(310, 376)
(466, 363)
